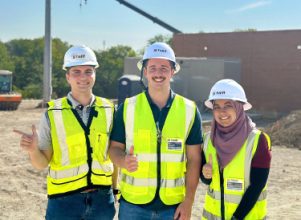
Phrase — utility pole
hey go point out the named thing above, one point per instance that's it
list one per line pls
(47, 87)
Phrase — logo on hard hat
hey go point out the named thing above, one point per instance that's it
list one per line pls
(160, 50)
(78, 56)
(219, 93)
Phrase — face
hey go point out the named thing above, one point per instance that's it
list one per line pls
(158, 73)
(224, 112)
(81, 79)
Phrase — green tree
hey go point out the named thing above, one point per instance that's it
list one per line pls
(160, 38)
(60, 86)
(157, 38)
(27, 56)
(6, 62)
(111, 63)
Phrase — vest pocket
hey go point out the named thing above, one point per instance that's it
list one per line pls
(173, 184)
(174, 170)
(100, 148)
(76, 148)
(142, 139)
(67, 184)
(135, 184)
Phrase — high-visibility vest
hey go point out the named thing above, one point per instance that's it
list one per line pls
(80, 157)
(236, 177)
(159, 165)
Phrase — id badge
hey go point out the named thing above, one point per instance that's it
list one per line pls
(174, 144)
(235, 184)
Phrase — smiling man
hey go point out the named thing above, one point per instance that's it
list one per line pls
(73, 141)
(156, 140)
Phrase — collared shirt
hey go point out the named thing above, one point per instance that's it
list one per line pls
(83, 111)
(44, 127)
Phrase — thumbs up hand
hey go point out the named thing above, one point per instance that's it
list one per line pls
(28, 142)
(131, 161)
(207, 168)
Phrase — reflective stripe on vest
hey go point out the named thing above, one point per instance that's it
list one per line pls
(68, 167)
(152, 181)
(232, 197)
(109, 115)
(60, 132)
(83, 169)
(141, 132)
(209, 216)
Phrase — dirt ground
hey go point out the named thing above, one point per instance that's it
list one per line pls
(23, 189)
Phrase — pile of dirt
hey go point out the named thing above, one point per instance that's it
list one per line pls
(287, 130)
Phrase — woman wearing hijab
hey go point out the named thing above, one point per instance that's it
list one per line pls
(236, 158)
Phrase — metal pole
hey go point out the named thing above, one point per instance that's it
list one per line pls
(47, 88)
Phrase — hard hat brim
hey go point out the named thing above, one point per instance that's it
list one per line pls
(177, 67)
(246, 105)
(89, 63)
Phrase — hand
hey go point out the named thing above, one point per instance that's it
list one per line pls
(207, 168)
(130, 161)
(28, 142)
(183, 211)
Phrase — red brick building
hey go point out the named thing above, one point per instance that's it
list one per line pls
(270, 63)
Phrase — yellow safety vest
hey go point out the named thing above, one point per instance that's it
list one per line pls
(165, 163)
(236, 181)
(80, 157)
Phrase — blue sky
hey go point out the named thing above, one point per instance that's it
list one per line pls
(104, 23)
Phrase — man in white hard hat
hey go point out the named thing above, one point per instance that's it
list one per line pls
(156, 140)
(73, 141)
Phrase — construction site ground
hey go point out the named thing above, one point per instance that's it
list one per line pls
(23, 189)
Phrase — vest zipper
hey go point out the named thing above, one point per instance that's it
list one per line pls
(93, 113)
(86, 128)
(222, 194)
(159, 140)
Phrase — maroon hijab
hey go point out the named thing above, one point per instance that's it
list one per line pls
(229, 140)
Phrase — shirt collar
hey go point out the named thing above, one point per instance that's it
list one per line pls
(169, 100)
(75, 104)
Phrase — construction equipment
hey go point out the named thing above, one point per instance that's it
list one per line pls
(9, 100)
(154, 19)
(145, 14)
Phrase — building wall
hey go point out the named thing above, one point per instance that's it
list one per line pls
(270, 63)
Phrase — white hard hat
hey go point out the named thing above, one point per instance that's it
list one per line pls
(79, 56)
(159, 50)
(227, 89)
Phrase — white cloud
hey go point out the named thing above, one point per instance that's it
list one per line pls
(250, 6)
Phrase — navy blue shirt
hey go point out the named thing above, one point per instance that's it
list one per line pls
(194, 137)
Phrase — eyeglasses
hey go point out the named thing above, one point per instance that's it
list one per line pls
(162, 70)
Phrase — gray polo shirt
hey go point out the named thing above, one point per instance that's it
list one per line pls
(45, 142)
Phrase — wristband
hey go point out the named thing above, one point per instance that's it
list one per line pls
(116, 191)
